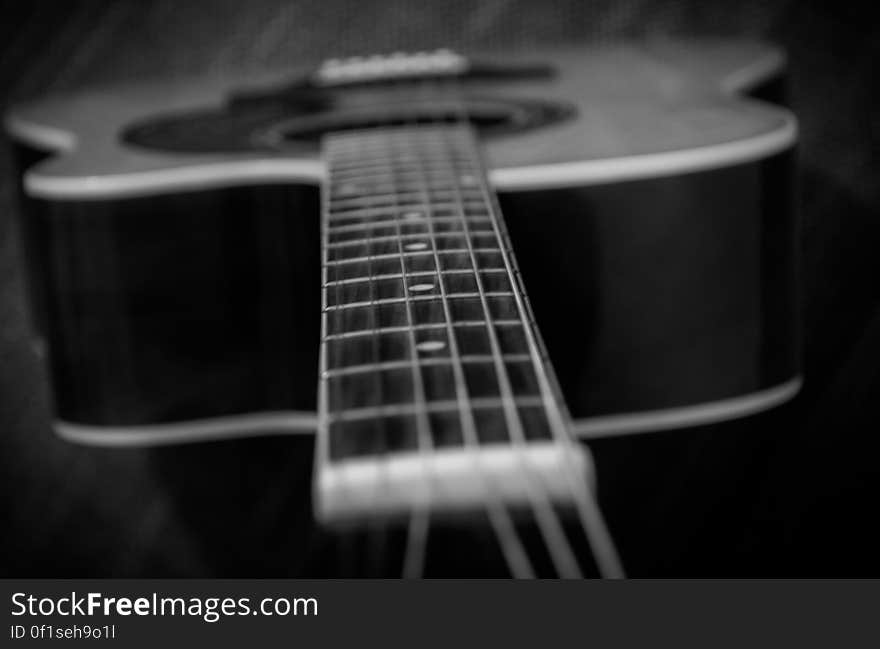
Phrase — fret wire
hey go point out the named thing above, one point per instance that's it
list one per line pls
(375, 159)
(418, 253)
(386, 157)
(377, 189)
(398, 145)
(376, 166)
(373, 176)
(440, 175)
(436, 325)
(367, 212)
(396, 365)
(411, 254)
(395, 153)
(390, 255)
(389, 202)
(389, 223)
(419, 274)
(397, 409)
(375, 181)
(366, 182)
(433, 167)
(400, 200)
(414, 298)
(404, 237)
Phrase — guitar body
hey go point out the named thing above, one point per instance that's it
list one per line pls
(172, 238)
(176, 289)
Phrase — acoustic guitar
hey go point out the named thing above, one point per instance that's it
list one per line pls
(321, 251)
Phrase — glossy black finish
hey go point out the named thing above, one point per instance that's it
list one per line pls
(179, 307)
(649, 294)
(665, 292)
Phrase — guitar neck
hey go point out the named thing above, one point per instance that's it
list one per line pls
(431, 364)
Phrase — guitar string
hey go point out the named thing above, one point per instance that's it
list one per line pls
(419, 518)
(551, 533)
(512, 547)
(549, 524)
(417, 532)
(502, 525)
(379, 431)
(590, 517)
(589, 514)
(505, 530)
(417, 529)
(328, 385)
(413, 560)
(378, 528)
(412, 563)
(513, 551)
(323, 441)
(542, 509)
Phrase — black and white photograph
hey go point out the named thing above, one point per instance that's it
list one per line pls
(461, 290)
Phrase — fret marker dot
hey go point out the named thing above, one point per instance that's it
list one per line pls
(421, 288)
(467, 180)
(415, 246)
(412, 216)
(431, 346)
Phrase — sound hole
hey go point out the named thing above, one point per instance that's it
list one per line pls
(274, 126)
(489, 117)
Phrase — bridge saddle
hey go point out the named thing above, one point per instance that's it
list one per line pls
(390, 67)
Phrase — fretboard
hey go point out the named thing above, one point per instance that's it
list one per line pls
(428, 345)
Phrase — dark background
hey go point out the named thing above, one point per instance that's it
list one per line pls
(804, 503)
